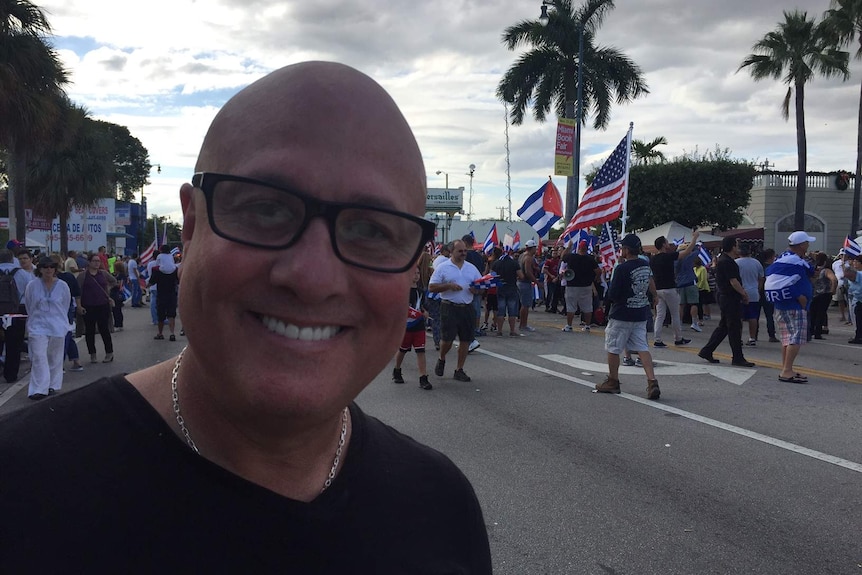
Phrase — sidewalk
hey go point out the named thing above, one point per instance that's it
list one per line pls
(134, 349)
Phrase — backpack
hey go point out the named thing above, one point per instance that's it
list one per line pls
(10, 297)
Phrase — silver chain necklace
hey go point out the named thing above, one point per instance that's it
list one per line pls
(345, 416)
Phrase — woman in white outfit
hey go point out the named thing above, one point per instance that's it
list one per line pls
(47, 300)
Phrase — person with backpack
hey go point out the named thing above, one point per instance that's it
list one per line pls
(13, 283)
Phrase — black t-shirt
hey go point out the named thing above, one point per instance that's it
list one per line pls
(95, 481)
(584, 267)
(628, 291)
(726, 269)
(663, 271)
(476, 259)
(507, 270)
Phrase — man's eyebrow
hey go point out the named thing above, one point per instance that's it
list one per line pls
(357, 196)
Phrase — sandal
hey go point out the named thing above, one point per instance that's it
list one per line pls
(159, 336)
(792, 379)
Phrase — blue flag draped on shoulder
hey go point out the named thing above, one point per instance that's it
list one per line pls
(543, 208)
(786, 280)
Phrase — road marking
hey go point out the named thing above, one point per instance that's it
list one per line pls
(735, 375)
(825, 457)
(10, 393)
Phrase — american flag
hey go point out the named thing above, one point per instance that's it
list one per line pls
(604, 199)
(608, 246)
(148, 254)
(851, 248)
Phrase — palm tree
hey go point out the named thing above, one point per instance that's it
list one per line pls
(844, 22)
(544, 77)
(75, 170)
(646, 153)
(31, 76)
(795, 51)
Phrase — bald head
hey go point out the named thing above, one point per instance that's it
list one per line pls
(315, 106)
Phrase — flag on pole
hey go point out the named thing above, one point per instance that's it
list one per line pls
(703, 254)
(490, 240)
(148, 254)
(516, 241)
(851, 248)
(604, 199)
(608, 246)
(508, 241)
(165, 236)
(543, 208)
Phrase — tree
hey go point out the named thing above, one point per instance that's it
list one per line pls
(545, 76)
(31, 77)
(843, 22)
(76, 170)
(131, 161)
(795, 51)
(693, 189)
(646, 153)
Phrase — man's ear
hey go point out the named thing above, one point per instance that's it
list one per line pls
(188, 203)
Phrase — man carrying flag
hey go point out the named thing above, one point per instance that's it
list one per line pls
(543, 208)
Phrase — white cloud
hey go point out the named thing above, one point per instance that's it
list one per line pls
(163, 68)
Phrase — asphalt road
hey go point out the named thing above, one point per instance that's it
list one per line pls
(731, 471)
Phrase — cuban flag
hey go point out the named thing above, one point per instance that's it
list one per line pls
(176, 251)
(486, 281)
(577, 236)
(679, 241)
(490, 240)
(851, 248)
(786, 280)
(516, 241)
(415, 317)
(703, 254)
(543, 208)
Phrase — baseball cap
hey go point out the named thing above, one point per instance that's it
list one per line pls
(632, 242)
(13, 244)
(530, 244)
(797, 238)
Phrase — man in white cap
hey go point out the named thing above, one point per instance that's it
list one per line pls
(788, 288)
(526, 279)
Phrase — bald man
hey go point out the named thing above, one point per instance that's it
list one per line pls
(246, 451)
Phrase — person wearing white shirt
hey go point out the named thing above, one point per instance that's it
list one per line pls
(47, 300)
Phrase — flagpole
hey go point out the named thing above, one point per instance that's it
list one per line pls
(625, 216)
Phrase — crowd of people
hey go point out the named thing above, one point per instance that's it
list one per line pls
(46, 301)
(793, 290)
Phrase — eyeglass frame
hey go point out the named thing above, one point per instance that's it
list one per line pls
(329, 211)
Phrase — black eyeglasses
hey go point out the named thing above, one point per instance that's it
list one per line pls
(263, 215)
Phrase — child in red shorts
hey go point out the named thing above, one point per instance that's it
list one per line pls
(414, 336)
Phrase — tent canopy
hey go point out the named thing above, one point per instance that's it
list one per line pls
(673, 230)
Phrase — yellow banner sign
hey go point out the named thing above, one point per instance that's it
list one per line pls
(565, 148)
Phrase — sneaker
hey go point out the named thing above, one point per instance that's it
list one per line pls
(474, 345)
(706, 317)
(773, 339)
(639, 363)
(696, 327)
(478, 333)
(172, 338)
(529, 328)
(396, 375)
(461, 376)
(484, 326)
(608, 386)
(76, 368)
(567, 328)
(652, 390)
(586, 328)
(752, 343)
(493, 327)
(627, 361)
(659, 343)
(424, 383)
(682, 341)
(438, 369)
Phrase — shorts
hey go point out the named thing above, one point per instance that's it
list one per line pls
(491, 302)
(622, 335)
(751, 310)
(689, 295)
(166, 305)
(507, 304)
(579, 297)
(792, 326)
(525, 292)
(413, 339)
(457, 320)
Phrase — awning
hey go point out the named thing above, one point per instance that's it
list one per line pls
(119, 235)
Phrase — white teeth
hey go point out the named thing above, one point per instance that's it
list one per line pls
(291, 331)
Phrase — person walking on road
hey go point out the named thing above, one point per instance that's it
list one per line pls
(732, 297)
(630, 309)
(96, 285)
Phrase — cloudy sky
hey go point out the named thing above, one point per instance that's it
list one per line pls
(164, 67)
